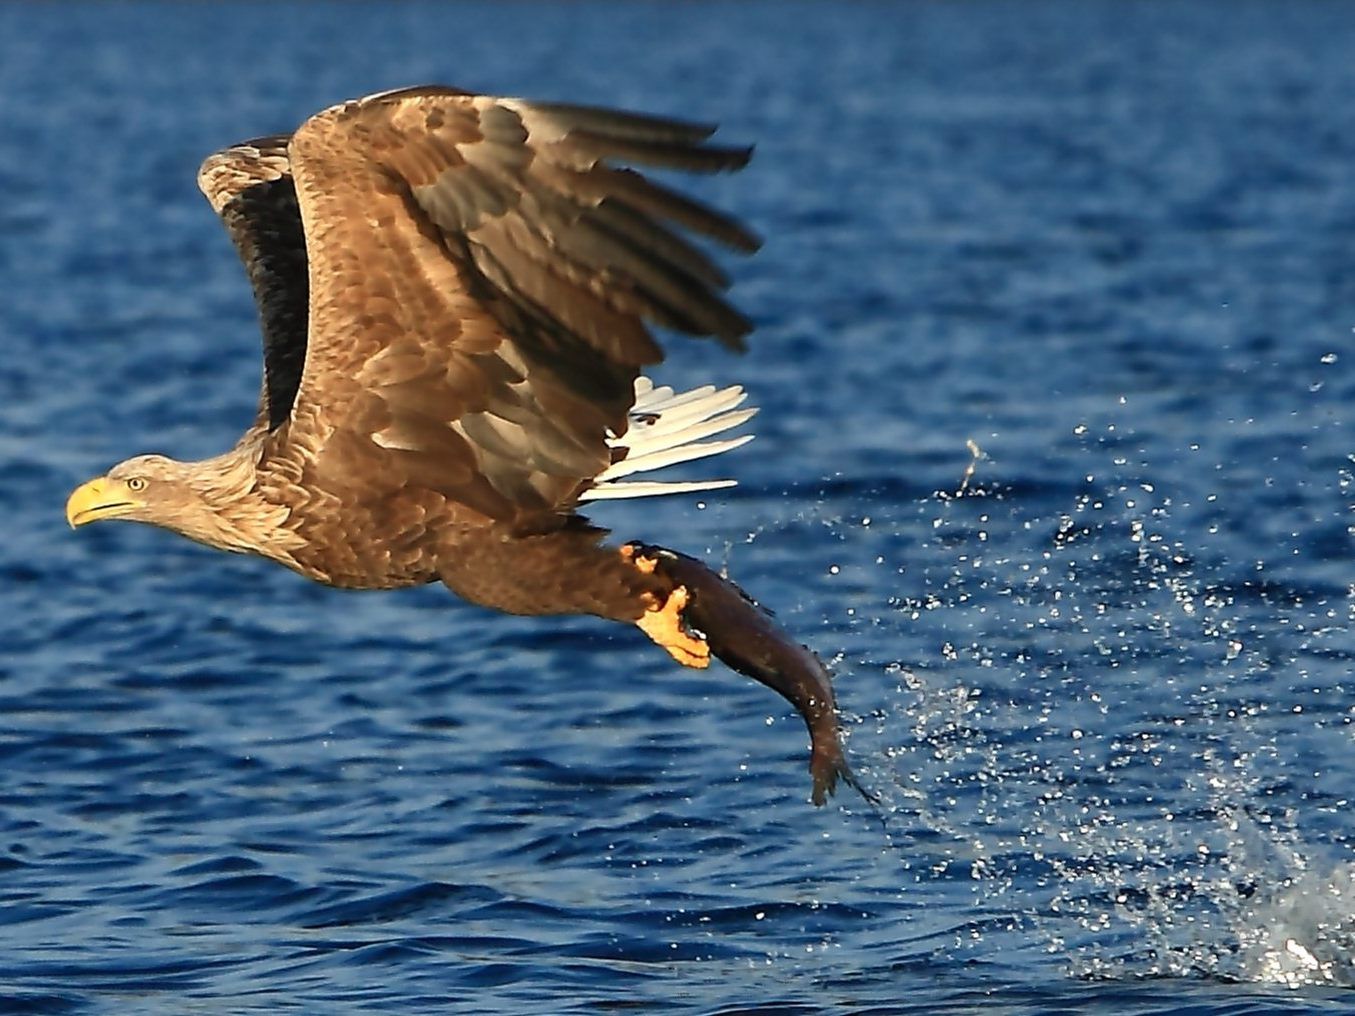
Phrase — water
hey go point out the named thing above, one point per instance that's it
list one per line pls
(1101, 683)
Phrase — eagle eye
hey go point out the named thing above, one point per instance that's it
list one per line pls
(136, 483)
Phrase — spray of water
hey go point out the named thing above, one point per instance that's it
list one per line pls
(1117, 727)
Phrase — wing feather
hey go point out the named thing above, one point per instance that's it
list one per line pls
(482, 278)
(250, 187)
(562, 118)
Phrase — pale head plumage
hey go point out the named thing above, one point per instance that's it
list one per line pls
(208, 501)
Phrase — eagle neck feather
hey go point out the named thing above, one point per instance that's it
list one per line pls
(237, 517)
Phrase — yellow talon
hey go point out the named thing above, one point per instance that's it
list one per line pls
(663, 624)
(642, 564)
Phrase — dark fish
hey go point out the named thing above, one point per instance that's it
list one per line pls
(744, 635)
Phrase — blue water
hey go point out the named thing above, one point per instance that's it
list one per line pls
(1102, 685)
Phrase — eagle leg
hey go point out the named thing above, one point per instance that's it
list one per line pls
(662, 620)
(664, 624)
(742, 634)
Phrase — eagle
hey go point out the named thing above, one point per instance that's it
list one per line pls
(456, 293)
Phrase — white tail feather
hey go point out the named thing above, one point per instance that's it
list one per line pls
(645, 446)
(650, 488)
(650, 427)
(660, 457)
(656, 440)
(666, 429)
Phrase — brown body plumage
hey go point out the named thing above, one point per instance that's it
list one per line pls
(455, 292)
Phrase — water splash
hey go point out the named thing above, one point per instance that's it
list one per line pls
(1086, 697)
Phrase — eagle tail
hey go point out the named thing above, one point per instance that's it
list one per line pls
(667, 428)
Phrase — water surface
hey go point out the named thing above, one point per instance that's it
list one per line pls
(1101, 685)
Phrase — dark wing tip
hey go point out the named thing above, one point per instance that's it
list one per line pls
(624, 124)
(694, 158)
(670, 206)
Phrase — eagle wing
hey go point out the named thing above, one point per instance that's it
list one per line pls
(481, 278)
(250, 186)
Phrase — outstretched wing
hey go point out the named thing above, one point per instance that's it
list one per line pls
(481, 279)
(250, 186)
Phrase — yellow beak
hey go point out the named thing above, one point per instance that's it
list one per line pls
(100, 498)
